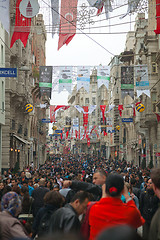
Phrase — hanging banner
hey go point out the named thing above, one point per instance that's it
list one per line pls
(29, 8)
(68, 21)
(132, 6)
(110, 108)
(127, 81)
(45, 80)
(85, 115)
(108, 8)
(21, 28)
(120, 108)
(4, 15)
(55, 16)
(75, 126)
(83, 78)
(65, 80)
(103, 107)
(96, 3)
(141, 77)
(91, 108)
(108, 124)
(52, 114)
(103, 76)
(79, 109)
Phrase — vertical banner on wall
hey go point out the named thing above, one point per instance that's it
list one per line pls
(83, 78)
(103, 76)
(65, 79)
(75, 127)
(157, 31)
(45, 80)
(67, 21)
(142, 82)
(127, 81)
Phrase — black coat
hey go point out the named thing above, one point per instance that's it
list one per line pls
(38, 195)
(148, 205)
(65, 220)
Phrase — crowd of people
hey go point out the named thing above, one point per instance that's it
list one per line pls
(80, 197)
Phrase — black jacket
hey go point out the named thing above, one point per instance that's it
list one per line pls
(96, 190)
(38, 195)
(65, 220)
(148, 205)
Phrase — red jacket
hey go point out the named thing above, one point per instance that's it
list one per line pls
(111, 211)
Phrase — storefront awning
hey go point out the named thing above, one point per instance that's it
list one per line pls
(21, 139)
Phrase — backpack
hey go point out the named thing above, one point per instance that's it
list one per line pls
(43, 228)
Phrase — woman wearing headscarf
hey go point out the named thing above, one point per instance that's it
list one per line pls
(111, 211)
(10, 226)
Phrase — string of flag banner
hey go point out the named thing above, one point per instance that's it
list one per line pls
(67, 16)
(65, 76)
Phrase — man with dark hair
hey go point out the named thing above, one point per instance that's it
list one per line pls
(99, 178)
(66, 218)
(154, 233)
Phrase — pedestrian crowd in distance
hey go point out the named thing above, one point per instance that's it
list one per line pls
(80, 197)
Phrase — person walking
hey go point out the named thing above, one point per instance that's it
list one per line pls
(111, 211)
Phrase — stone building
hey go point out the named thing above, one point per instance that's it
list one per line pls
(19, 128)
(2, 87)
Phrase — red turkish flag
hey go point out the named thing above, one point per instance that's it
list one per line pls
(103, 107)
(67, 133)
(67, 21)
(76, 133)
(120, 108)
(157, 31)
(85, 115)
(104, 133)
(21, 28)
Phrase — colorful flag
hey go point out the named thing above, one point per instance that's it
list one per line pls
(127, 81)
(120, 108)
(103, 76)
(67, 21)
(79, 109)
(85, 115)
(83, 78)
(132, 6)
(91, 108)
(142, 82)
(55, 16)
(4, 15)
(65, 80)
(103, 107)
(45, 80)
(21, 28)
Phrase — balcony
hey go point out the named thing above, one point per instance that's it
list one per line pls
(150, 119)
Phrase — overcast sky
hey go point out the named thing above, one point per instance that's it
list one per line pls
(83, 51)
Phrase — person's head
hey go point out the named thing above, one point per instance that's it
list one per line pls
(79, 202)
(24, 190)
(120, 232)
(99, 177)
(42, 182)
(13, 182)
(25, 183)
(114, 185)
(54, 198)
(11, 203)
(149, 184)
(1, 186)
(56, 187)
(22, 174)
(155, 176)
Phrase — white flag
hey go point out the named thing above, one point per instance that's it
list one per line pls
(132, 6)
(55, 16)
(80, 109)
(108, 8)
(92, 108)
(147, 92)
(110, 108)
(4, 14)
(83, 78)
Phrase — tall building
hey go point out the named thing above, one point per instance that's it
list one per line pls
(2, 87)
